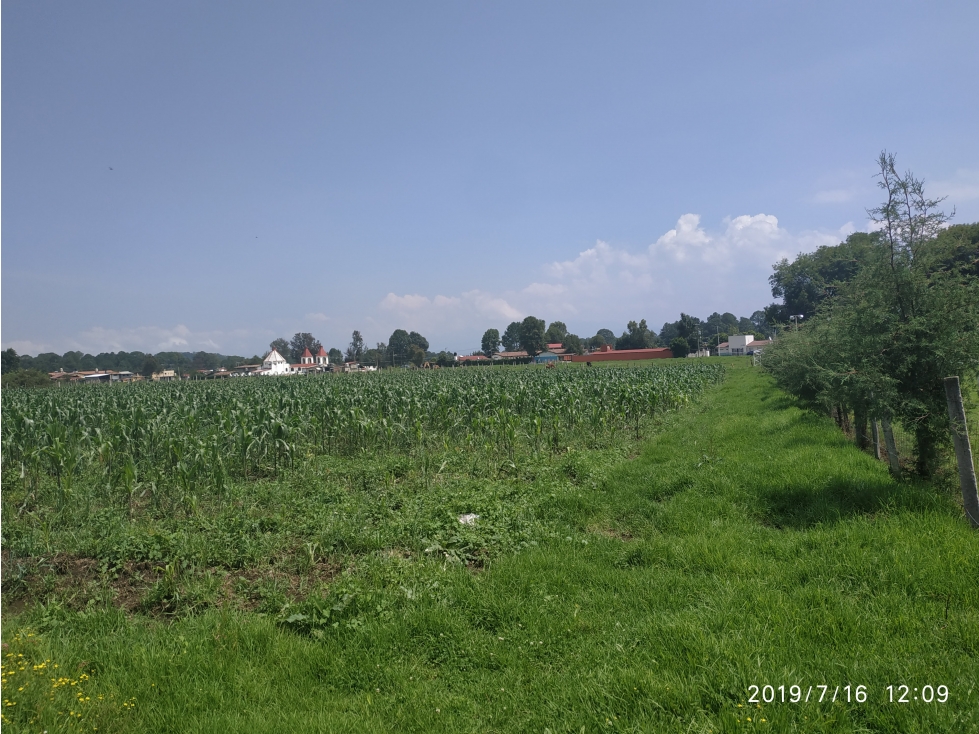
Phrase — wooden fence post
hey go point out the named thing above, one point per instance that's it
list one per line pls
(876, 435)
(891, 447)
(963, 451)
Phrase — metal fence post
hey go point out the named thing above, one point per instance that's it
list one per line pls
(963, 451)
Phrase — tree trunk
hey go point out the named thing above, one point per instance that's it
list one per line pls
(926, 448)
(891, 448)
(860, 427)
(963, 451)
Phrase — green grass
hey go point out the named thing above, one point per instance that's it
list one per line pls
(747, 543)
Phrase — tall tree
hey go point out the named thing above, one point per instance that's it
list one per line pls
(301, 341)
(491, 342)
(11, 362)
(150, 365)
(572, 343)
(636, 336)
(511, 337)
(679, 347)
(355, 350)
(399, 348)
(282, 347)
(335, 356)
(906, 318)
(418, 340)
(556, 332)
(532, 335)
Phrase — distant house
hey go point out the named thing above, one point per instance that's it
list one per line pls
(741, 345)
(516, 357)
(164, 376)
(466, 360)
(547, 357)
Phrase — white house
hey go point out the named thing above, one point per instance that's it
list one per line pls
(739, 345)
(275, 364)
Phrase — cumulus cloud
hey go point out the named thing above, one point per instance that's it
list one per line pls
(420, 312)
(317, 317)
(688, 268)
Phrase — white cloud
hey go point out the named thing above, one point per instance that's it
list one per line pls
(689, 268)
(317, 317)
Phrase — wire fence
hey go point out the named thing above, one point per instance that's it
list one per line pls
(904, 439)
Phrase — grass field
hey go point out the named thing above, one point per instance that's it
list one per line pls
(618, 585)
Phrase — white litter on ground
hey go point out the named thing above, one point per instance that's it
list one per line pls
(469, 518)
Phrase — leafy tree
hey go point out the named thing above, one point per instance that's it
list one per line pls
(607, 335)
(301, 341)
(418, 340)
(417, 355)
(679, 347)
(282, 347)
(636, 336)
(572, 343)
(445, 359)
(10, 361)
(491, 342)
(355, 350)
(150, 365)
(26, 378)
(511, 337)
(335, 356)
(399, 347)
(556, 332)
(907, 317)
(532, 335)
(205, 361)
(807, 281)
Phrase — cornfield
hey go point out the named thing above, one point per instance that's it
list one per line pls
(187, 439)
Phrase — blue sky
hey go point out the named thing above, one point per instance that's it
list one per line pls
(213, 175)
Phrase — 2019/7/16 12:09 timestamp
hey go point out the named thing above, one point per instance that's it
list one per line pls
(845, 694)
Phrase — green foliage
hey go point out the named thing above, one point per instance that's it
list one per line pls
(811, 278)
(573, 344)
(282, 347)
(532, 339)
(556, 332)
(301, 341)
(907, 317)
(679, 347)
(490, 342)
(10, 361)
(636, 336)
(355, 350)
(26, 378)
(336, 356)
(149, 366)
(594, 591)
(511, 337)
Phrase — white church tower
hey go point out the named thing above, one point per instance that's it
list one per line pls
(275, 364)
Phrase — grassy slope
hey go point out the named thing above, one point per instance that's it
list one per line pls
(748, 544)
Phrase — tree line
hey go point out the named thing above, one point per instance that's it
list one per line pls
(135, 362)
(687, 334)
(402, 348)
(886, 316)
